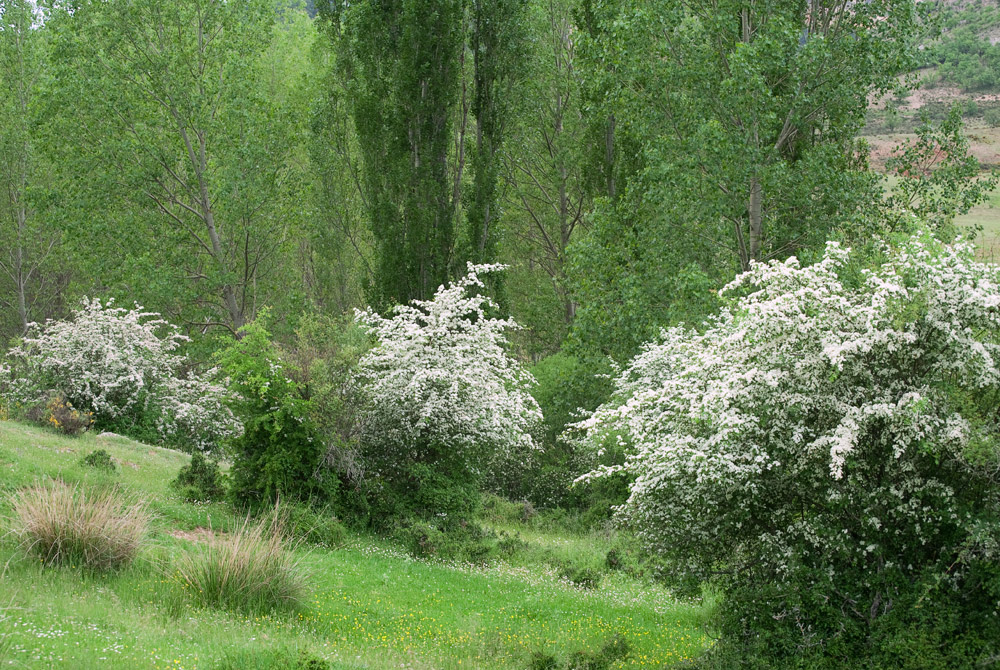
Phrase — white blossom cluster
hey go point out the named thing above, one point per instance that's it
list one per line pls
(195, 411)
(114, 362)
(440, 374)
(822, 416)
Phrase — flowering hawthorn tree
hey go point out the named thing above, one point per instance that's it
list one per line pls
(118, 364)
(105, 358)
(439, 388)
(827, 443)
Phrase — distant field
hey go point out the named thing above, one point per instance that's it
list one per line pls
(372, 606)
(985, 146)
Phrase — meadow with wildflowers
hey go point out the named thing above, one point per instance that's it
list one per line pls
(369, 605)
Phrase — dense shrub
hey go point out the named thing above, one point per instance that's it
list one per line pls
(325, 357)
(271, 659)
(613, 651)
(464, 542)
(566, 387)
(326, 353)
(442, 399)
(72, 526)
(246, 570)
(113, 363)
(58, 413)
(826, 451)
(580, 575)
(313, 525)
(201, 480)
(279, 452)
(99, 459)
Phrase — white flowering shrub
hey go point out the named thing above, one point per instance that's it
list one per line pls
(826, 448)
(105, 358)
(195, 412)
(442, 397)
(123, 366)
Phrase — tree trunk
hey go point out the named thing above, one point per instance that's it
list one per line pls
(609, 155)
(19, 273)
(756, 224)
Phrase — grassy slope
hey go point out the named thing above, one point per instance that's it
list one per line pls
(371, 606)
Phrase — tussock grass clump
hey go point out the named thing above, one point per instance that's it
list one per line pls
(64, 524)
(248, 569)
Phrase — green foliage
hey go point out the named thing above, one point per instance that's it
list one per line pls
(463, 541)
(279, 452)
(541, 660)
(992, 117)
(964, 54)
(99, 459)
(192, 191)
(325, 355)
(271, 659)
(614, 651)
(201, 480)
(401, 59)
(711, 154)
(58, 413)
(578, 575)
(437, 486)
(938, 179)
(317, 526)
(31, 230)
(566, 385)
(499, 45)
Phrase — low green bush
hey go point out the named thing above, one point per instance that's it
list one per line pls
(280, 450)
(458, 541)
(57, 412)
(201, 480)
(271, 659)
(314, 526)
(100, 460)
(614, 650)
(585, 577)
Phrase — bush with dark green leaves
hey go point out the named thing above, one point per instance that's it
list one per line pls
(613, 651)
(279, 453)
(313, 525)
(201, 480)
(100, 460)
(583, 576)
(271, 659)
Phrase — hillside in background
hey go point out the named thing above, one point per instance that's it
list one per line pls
(961, 67)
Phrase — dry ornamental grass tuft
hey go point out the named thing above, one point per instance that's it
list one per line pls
(65, 524)
(248, 569)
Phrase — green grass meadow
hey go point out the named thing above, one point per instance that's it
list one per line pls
(370, 605)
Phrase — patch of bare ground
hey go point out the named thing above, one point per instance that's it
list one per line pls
(984, 144)
(199, 534)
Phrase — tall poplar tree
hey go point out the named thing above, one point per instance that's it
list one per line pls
(25, 243)
(428, 82)
(742, 122)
